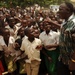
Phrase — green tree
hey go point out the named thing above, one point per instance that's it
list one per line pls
(23, 3)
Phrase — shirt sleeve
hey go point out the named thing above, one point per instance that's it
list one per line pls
(40, 42)
(57, 38)
(22, 46)
(2, 42)
(41, 39)
(11, 40)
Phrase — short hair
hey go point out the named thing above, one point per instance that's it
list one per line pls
(19, 41)
(70, 6)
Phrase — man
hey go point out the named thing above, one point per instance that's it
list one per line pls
(66, 12)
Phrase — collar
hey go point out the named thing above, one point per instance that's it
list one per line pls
(32, 41)
(71, 17)
(49, 32)
(64, 22)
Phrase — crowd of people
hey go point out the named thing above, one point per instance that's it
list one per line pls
(37, 41)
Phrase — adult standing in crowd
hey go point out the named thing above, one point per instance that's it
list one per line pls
(66, 12)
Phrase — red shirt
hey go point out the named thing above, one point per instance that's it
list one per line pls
(1, 68)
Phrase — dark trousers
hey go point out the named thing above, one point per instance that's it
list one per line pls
(73, 72)
(4, 62)
(42, 69)
(63, 69)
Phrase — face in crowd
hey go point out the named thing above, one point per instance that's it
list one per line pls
(65, 10)
(47, 27)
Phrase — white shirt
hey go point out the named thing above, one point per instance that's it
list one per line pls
(17, 27)
(11, 45)
(30, 48)
(50, 39)
(11, 40)
(2, 42)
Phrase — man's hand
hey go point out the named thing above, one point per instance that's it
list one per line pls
(66, 32)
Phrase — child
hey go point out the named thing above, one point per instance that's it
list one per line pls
(19, 57)
(32, 47)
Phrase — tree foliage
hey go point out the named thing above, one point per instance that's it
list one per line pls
(24, 3)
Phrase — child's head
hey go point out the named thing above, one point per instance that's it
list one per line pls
(18, 43)
(29, 32)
